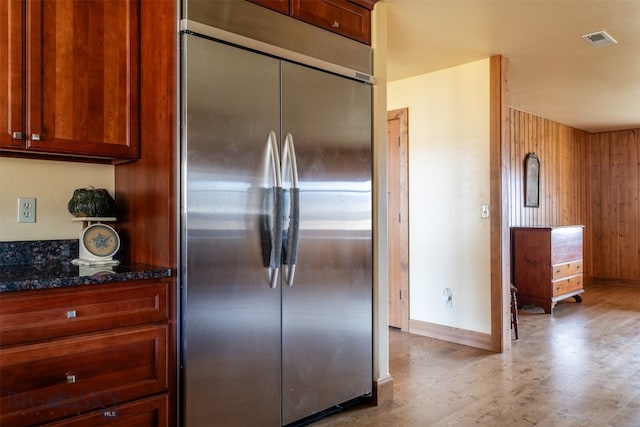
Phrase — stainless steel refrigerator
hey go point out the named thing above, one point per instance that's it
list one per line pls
(276, 300)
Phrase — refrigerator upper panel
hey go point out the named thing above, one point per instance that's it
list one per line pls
(258, 23)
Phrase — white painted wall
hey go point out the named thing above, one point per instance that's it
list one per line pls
(448, 183)
(52, 183)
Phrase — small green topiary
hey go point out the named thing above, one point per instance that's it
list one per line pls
(92, 202)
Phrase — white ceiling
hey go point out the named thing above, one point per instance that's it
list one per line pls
(553, 72)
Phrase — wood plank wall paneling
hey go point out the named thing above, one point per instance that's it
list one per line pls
(589, 179)
(561, 150)
(614, 177)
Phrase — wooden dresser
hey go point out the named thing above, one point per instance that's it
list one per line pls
(547, 264)
(86, 355)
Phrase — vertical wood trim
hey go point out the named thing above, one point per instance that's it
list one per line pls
(634, 204)
(146, 189)
(585, 202)
(500, 166)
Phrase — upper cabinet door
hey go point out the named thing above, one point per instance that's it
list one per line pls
(11, 68)
(340, 16)
(281, 6)
(82, 77)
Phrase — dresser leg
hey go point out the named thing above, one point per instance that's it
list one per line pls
(548, 308)
(578, 298)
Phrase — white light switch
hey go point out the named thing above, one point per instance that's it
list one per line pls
(484, 212)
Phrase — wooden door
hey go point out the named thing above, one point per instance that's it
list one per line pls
(11, 72)
(82, 77)
(398, 217)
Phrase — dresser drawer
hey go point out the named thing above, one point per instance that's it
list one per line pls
(150, 412)
(338, 16)
(564, 286)
(48, 381)
(566, 244)
(30, 316)
(564, 270)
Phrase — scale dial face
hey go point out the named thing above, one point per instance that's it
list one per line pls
(100, 240)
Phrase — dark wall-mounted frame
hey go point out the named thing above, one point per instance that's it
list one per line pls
(532, 181)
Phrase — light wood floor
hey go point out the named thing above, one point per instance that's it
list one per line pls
(577, 367)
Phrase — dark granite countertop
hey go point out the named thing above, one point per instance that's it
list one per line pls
(61, 274)
(47, 264)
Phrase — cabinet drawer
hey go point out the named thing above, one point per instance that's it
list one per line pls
(564, 270)
(49, 381)
(339, 16)
(30, 316)
(567, 285)
(151, 412)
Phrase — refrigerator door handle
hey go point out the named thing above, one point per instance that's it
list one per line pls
(289, 158)
(276, 231)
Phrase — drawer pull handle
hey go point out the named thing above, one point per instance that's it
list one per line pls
(71, 314)
(335, 24)
(71, 379)
(35, 137)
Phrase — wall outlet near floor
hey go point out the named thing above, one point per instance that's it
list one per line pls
(26, 209)
(447, 296)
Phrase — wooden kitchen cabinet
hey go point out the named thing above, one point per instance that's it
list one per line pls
(101, 353)
(72, 69)
(281, 6)
(32, 316)
(350, 18)
(150, 412)
(11, 72)
(547, 264)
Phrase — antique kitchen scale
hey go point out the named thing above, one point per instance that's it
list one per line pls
(99, 241)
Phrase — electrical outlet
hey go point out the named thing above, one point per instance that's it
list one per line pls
(26, 209)
(447, 295)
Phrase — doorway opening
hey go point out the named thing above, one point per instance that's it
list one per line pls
(398, 216)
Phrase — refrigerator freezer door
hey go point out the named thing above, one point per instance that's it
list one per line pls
(230, 314)
(327, 313)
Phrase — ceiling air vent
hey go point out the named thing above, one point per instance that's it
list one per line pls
(599, 39)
